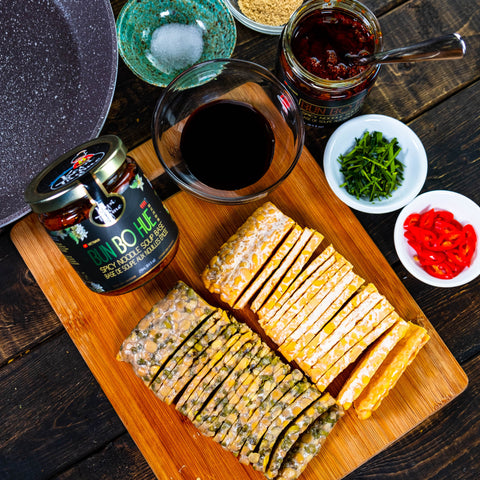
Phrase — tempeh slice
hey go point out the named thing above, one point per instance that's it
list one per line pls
(245, 252)
(369, 363)
(309, 444)
(339, 325)
(275, 425)
(183, 403)
(205, 420)
(350, 338)
(316, 320)
(293, 431)
(294, 280)
(217, 375)
(287, 313)
(190, 374)
(162, 330)
(282, 380)
(321, 319)
(322, 381)
(257, 385)
(391, 369)
(282, 269)
(319, 290)
(272, 264)
(174, 373)
(283, 395)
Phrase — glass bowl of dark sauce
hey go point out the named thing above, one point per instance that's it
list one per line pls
(231, 139)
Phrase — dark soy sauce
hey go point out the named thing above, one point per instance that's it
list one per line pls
(227, 144)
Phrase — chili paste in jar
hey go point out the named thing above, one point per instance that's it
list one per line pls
(312, 59)
(323, 39)
(104, 216)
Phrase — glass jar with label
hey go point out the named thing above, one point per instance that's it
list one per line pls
(104, 216)
(313, 60)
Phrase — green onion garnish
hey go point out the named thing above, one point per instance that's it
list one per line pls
(371, 169)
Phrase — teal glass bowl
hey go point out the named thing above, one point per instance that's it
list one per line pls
(138, 20)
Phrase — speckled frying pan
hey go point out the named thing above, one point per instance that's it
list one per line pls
(58, 68)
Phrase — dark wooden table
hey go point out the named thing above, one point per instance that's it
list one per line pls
(55, 420)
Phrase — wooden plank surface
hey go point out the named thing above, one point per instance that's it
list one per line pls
(171, 445)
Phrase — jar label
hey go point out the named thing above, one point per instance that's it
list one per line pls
(123, 239)
(317, 112)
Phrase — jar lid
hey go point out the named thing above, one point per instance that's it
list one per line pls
(61, 184)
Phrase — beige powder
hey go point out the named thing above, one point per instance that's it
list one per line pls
(269, 12)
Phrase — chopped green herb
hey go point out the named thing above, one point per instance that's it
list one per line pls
(371, 169)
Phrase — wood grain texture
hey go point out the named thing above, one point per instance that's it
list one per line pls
(171, 445)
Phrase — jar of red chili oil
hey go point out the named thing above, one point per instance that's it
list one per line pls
(104, 216)
(312, 62)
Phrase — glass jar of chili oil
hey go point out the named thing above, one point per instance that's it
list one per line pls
(104, 216)
(312, 62)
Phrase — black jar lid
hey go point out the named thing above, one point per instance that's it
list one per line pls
(60, 184)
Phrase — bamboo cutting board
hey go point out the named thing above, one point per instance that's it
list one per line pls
(171, 445)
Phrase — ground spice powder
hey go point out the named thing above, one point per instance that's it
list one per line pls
(269, 12)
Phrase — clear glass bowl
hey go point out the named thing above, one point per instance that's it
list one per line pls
(237, 80)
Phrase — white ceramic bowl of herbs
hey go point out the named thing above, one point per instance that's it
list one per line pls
(375, 163)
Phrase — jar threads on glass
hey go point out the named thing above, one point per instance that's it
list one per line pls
(104, 216)
(323, 96)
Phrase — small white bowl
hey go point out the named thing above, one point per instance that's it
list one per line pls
(464, 210)
(412, 155)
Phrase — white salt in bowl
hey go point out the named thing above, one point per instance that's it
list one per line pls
(159, 39)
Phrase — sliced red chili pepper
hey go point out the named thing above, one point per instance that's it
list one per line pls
(442, 271)
(469, 233)
(465, 252)
(428, 257)
(457, 257)
(444, 215)
(444, 243)
(426, 219)
(443, 246)
(412, 219)
(445, 228)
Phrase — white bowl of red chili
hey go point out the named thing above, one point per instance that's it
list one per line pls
(410, 162)
(436, 238)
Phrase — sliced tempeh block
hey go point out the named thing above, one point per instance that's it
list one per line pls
(340, 325)
(245, 252)
(175, 372)
(391, 370)
(269, 393)
(227, 413)
(281, 397)
(349, 339)
(309, 444)
(215, 357)
(292, 432)
(275, 425)
(257, 391)
(217, 375)
(322, 313)
(292, 285)
(369, 363)
(211, 410)
(282, 269)
(320, 288)
(162, 330)
(270, 267)
(323, 380)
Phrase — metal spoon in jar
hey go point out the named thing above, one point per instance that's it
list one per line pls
(441, 48)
